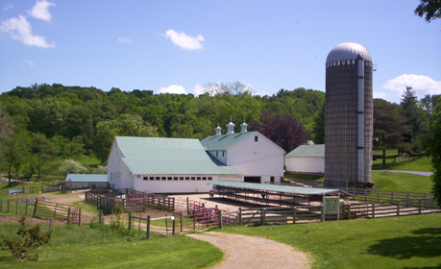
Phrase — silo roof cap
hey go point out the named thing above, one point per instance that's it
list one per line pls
(348, 51)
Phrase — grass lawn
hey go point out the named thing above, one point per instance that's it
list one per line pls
(80, 247)
(396, 242)
(422, 163)
(402, 182)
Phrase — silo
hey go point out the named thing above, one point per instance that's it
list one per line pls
(348, 116)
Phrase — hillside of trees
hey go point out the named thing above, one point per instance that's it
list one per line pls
(43, 122)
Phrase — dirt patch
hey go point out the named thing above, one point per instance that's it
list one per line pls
(15, 219)
(243, 251)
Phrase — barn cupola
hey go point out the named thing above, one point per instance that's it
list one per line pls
(230, 127)
(218, 130)
(243, 127)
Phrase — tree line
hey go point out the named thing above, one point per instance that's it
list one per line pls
(43, 122)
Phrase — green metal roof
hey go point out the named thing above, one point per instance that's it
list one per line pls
(171, 156)
(311, 151)
(223, 142)
(272, 187)
(86, 178)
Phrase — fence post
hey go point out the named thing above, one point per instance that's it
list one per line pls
(148, 228)
(68, 215)
(144, 203)
(294, 215)
(101, 212)
(79, 216)
(174, 204)
(322, 213)
(220, 218)
(365, 195)
(182, 228)
(240, 216)
(419, 206)
(398, 208)
(130, 220)
(174, 225)
(16, 206)
(373, 210)
(262, 216)
(35, 207)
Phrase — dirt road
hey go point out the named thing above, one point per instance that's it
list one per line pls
(254, 252)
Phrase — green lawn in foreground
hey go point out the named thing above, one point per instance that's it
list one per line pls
(395, 242)
(402, 182)
(80, 247)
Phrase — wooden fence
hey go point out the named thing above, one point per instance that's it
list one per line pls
(48, 210)
(410, 199)
(134, 201)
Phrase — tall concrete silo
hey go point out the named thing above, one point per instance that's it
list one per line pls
(348, 116)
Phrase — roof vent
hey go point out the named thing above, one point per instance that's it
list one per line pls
(243, 127)
(230, 128)
(218, 130)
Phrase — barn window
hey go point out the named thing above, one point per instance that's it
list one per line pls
(210, 178)
(158, 178)
(181, 178)
(204, 178)
(256, 138)
(223, 153)
(169, 178)
(193, 178)
(152, 178)
(187, 178)
(175, 178)
(164, 178)
(198, 178)
(145, 178)
(217, 153)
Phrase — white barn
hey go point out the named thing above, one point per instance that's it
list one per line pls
(258, 158)
(180, 165)
(308, 158)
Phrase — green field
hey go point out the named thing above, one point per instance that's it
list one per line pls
(80, 247)
(396, 242)
(402, 182)
(417, 163)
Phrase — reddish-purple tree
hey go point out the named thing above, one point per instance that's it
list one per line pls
(286, 131)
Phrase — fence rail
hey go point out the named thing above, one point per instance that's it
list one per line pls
(48, 210)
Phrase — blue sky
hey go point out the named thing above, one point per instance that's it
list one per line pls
(181, 46)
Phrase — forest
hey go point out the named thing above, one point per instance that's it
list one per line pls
(43, 123)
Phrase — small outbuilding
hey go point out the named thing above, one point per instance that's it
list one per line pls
(307, 158)
(86, 181)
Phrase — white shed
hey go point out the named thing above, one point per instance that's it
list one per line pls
(306, 159)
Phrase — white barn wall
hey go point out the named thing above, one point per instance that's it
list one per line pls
(262, 158)
(304, 164)
(179, 186)
(117, 172)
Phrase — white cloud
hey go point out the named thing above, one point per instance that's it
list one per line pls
(199, 89)
(125, 40)
(40, 10)
(7, 7)
(184, 41)
(21, 30)
(31, 63)
(173, 89)
(422, 85)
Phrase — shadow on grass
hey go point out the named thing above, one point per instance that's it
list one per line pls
(428, 244)
(426, 267)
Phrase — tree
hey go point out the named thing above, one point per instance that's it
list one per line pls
(286, 131)
(433, 147)
(124, 125)
(415, 118)
(74, 148)
(430, 8)
(319, 127)
(15, 150)
(71, 166)
(6, 123)
(389, 127)
(44, 150)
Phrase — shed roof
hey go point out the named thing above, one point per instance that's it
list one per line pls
(223, 142)
(172, 156)
(86, 178)
(308, 151)
(276, 188)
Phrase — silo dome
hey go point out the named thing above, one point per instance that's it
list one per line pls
(348, 51)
